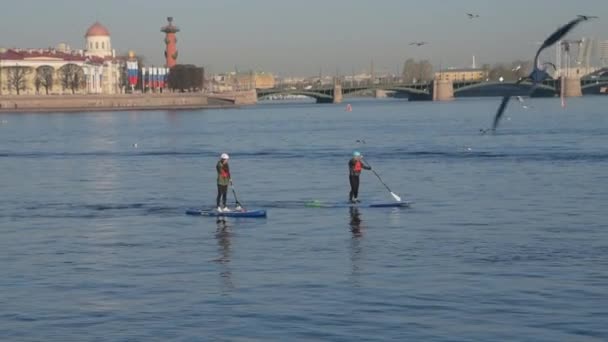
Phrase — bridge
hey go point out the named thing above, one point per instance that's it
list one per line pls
(440, 90)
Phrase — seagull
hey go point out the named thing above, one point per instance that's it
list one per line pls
(472, 15)
(418, 43)
(521, 101)
(587, 17)
(539, 73)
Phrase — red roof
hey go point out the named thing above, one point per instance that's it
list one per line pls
(97, 30)
(21, 55)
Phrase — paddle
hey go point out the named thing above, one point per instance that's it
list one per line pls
(395, 196)
(236, 199)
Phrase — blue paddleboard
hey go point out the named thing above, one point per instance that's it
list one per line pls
(215, 213)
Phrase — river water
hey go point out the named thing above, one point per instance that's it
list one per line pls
(506, 239)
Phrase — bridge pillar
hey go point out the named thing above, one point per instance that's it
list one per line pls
(572, 86)
(337, 93)
(443, 90)
(380, 94)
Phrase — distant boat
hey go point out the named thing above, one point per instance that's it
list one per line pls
(349, 108)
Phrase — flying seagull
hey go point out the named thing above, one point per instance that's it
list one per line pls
(521, 101)
(472, 15)
(418, 43)
(539, 72)
(587, 17)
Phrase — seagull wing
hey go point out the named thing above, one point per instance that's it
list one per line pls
(500, 111)
(556, 36)
(503, 105)
(550, 64)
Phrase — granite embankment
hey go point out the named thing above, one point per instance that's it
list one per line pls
(80, 103)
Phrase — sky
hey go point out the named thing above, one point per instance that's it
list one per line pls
(298, 38)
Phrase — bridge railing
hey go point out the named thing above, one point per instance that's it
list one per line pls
(346, 85)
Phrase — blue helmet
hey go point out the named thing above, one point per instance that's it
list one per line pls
(356, 154)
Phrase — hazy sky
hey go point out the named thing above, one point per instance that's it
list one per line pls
(299, 37)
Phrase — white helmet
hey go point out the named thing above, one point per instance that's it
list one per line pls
(225, 156)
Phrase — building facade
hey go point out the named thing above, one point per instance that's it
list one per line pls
(466, 74)
(603, 52)
(62, 70)
(242, 81)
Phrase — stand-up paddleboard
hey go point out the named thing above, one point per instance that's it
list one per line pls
(236, 213)
(387, 205)
(319, 204)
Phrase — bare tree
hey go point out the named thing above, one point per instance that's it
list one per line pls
(44, 78)
(72, 77)
(425, 71)
(17, 78)
(409, 71)
(420, 71)
(516, 70)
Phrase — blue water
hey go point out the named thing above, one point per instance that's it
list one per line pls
(507, 238)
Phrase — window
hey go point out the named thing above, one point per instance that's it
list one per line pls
(103, 45)
(96, 45)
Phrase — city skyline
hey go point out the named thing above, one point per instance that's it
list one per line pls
(302, 38)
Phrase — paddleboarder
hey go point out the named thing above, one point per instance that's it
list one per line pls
(223, 181)
(355, 166)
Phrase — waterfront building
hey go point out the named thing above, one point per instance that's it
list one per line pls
(63, 70)
(464, 74)
(603, 49)
(234, 81)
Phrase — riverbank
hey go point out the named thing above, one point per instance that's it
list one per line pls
(123, 102)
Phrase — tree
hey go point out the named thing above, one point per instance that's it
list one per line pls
(425, 72)
(510, 72)
(44, 78)
(72, 77)
(17, 78)
(409, 71)
(186, 77)
(420, 71)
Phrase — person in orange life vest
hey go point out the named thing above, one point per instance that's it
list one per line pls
(223, 180)
(355, 166)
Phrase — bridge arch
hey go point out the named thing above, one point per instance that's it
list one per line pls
(319, 96)
(502, 89)
(408, 90)
(598, 87)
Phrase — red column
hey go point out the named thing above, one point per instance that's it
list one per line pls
(170, 42)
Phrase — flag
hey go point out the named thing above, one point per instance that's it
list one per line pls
(143, 77)
(132, 72)
(154, 78)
